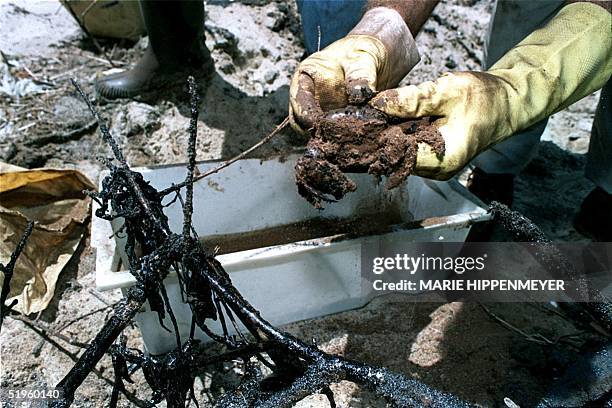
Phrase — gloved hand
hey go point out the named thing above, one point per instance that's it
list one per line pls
(556, 65)
(375, 55)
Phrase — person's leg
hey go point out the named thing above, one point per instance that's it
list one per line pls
(595, 217)
(495, 169)
(599, 158)
(176, 48)
(512, 155)
(325, 21)
(512, 21)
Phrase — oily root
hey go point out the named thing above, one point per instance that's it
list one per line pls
(7, 271)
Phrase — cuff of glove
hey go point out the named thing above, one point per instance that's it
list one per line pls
(389, 28)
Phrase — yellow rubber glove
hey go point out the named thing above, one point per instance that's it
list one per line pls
(375, 55)
(556, 65)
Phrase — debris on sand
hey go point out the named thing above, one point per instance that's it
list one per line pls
(359, 140)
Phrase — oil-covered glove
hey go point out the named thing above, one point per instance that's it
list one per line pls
(375, 55)
(556, 65)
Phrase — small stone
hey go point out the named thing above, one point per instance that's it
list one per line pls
(275, 21)
(270, 76)
(227, 68)
(137, 118)
(450, 63)
(7, 151)
(73, 112)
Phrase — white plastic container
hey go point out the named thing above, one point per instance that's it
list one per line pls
(292, 281)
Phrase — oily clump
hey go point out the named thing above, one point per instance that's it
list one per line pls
(359, 140)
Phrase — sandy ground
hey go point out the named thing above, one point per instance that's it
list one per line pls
(456, 347)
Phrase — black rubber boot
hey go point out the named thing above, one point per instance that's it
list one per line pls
(176, 49)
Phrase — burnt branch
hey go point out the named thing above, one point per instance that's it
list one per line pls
(191, 152)
(123, 314)
(8, 269)
(110, 140)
